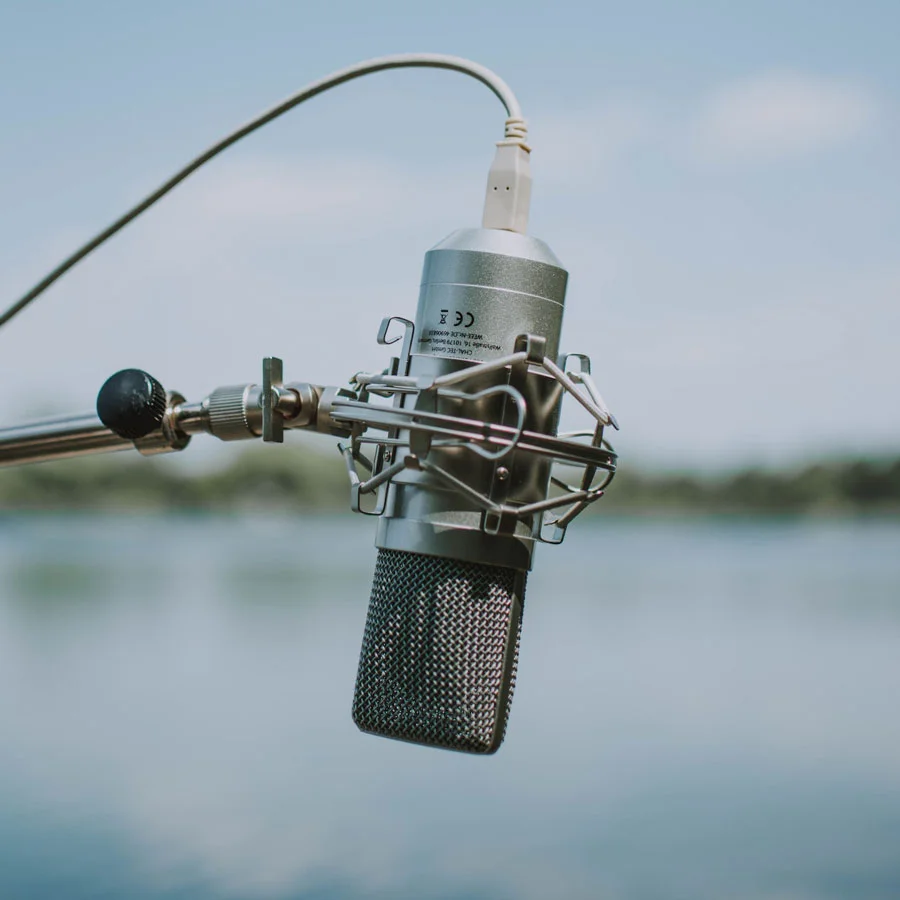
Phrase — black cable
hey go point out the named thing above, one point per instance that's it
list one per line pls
(407, 60)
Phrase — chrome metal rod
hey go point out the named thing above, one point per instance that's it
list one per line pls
(191, 418)
(57, 439)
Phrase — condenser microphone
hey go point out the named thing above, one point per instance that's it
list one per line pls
(463, 453)
(441, 641)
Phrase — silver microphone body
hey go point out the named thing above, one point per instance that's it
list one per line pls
(440, 647)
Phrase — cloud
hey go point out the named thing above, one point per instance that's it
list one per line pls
(589, 143)
(322, 203)
(781, 114)
(300, 257)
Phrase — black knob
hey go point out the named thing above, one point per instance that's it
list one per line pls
(131, 403)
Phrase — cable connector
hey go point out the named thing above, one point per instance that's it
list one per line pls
(508, 196)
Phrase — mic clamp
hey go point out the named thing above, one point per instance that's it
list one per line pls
(415, 427)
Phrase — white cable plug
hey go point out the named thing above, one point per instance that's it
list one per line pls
(508, 196)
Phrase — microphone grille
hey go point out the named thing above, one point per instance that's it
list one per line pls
(439, 652)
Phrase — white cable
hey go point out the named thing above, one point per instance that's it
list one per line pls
(515, 132)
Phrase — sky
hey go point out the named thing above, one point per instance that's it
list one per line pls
(722, 181)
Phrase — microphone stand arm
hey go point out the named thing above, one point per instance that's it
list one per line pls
(230, 413)
(57, 439)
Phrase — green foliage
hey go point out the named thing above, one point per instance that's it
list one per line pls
(843, 486)
(267, 477)
(299, 478)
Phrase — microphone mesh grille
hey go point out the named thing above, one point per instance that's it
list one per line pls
(440, 650)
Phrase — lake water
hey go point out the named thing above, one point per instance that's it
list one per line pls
(703, 710)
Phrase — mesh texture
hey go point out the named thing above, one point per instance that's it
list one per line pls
(439, 653)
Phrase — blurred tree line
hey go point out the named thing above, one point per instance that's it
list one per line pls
(289, 477)
(298, 478)
(840, 486)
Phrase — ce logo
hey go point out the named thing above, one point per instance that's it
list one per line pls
(460, 316)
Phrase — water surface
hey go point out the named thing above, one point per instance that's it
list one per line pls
(704, 709)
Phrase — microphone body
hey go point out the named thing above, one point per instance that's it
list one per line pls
(440, 647)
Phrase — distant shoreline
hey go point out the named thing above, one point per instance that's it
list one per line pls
(298, 480)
